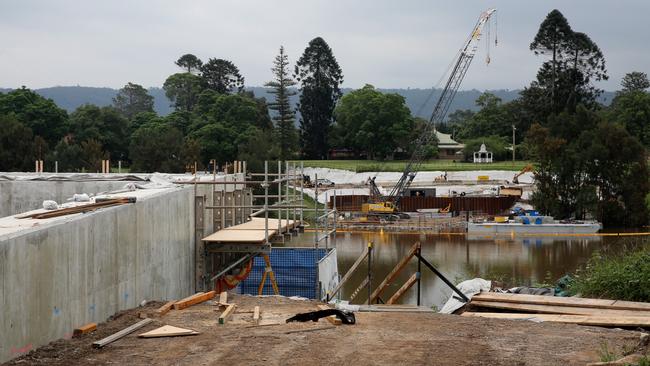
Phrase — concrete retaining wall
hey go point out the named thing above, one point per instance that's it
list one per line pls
(60, 276)
(22, 195)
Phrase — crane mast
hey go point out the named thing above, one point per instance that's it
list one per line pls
(458, 71)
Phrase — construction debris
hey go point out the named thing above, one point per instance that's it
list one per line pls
(334, 316)
(223, 318)
(165, 308)
(197, 298)
(84, 329)
(79, 209)
(168, 331)
(582, 311)
(122, 333)
(309, 329)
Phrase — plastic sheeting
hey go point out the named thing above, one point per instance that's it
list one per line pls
(469, 288)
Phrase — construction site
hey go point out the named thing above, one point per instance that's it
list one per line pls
(294, 265)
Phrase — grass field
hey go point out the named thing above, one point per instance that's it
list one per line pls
(361, 166)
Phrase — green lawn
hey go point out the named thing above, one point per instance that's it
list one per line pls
(360, 166)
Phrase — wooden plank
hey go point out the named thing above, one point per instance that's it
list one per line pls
(84, 329)
(563, 301)
(407, 285)
(309, 329)
(256, 315)
(550, 309)
(122, 333)
(164, 309)
(596, 320)
(193, 300)
(239, 236)
(223, 298)
(393, 273)
(332, 318)
(168, 331)
(223, 318)
(348, 273)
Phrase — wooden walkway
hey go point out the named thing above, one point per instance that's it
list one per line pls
(251, 231)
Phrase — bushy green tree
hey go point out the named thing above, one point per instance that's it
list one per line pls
(635, 81)
(491, 119)
(16, 145)
(41, 115)
(631, 109)
(222, 76)
(68, 155)
(156, 147)
(190, 63)
(183, 90)
(92, 154)
(104, 125)
(373, 122)
(133, 99)
(319, 76)
(284, 117)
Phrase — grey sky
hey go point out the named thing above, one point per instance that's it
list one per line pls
(387, 43)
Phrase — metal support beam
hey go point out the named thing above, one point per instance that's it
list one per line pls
(443, 278)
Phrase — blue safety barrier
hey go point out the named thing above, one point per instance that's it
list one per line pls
(296, 272)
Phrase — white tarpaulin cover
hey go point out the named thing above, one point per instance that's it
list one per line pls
(469, 288)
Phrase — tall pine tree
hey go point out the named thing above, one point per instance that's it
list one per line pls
(285, 116)
(320, 77)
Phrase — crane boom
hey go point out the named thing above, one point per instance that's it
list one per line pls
(463, 60)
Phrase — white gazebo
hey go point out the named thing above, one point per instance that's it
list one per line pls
(482, 156)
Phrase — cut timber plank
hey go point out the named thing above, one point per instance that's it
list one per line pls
(84, 329)
(549, 309)
(256, 315)
(168, 331)
(165, 308)
(563, 301)
(332, 318)
(393, 273)
(124, 332)
(223, 298)
(193, 300)
(223, 318)
(309, 329)
(407, 285)
(596, 320)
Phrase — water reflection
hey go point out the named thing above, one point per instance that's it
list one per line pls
(516, 261)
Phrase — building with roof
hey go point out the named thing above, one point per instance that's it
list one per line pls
(482, 155)
(448, 148)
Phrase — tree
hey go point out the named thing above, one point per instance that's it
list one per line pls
(190, 63)
(564, 81)
(490, 120)
(15, 144)
(635, 81)
(92, 154)
(222, 76)
(156, 147)
(320, 77)
(41, 115)
(285, 116)
(104, 125)
(68, 156)
(133, 99)
(372, 122)
(183, 90)
(631, 109)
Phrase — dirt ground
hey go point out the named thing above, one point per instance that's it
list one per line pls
(376, 339)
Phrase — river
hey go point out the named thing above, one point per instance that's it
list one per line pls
(515, 261)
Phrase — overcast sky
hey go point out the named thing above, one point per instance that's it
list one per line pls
(387, 43)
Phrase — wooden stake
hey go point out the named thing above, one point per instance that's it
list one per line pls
(223, 318)
(256, 315)
(223, 298)
(193, 300)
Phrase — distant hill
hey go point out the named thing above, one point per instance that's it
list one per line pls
(71, 97)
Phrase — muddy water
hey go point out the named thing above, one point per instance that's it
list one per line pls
(518, 261)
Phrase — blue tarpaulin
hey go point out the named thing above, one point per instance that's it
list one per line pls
(296, 272)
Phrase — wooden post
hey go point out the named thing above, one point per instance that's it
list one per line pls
(394, 272)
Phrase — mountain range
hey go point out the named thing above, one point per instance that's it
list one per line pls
(420, 101)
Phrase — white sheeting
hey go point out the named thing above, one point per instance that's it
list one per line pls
(469, 288)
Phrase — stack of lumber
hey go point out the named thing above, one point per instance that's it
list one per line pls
(601, 312)
(79, 209)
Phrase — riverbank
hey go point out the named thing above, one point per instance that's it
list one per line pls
(376, 338)
(360, 166)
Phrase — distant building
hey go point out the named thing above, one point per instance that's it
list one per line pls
(448, 148)
(482, 155)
